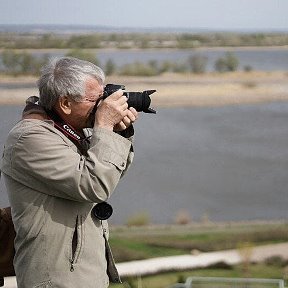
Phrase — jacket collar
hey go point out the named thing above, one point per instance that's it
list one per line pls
(33, 110)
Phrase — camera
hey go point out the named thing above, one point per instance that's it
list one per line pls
(139, 100)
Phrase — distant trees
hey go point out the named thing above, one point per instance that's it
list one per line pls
(110, 67)
(95, 40)
(83, 55)
(228, 63)
(198, 63)
(84, 41)
(19, 63)
(139, 69)
(23, 63)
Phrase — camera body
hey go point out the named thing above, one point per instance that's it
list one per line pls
(139, 100)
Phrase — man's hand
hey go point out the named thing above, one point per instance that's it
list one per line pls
(129, 119)
(113, 113)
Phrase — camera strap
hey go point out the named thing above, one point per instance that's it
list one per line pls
(79, 140)
(33, 107)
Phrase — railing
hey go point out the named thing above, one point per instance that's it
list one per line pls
(221, 282)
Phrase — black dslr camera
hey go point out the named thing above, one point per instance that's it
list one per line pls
(139, 100)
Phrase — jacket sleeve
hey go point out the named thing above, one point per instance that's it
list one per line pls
(45, 162)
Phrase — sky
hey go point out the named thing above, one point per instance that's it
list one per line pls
(199, 14)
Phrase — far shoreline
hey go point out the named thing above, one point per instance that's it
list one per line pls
(216, 48)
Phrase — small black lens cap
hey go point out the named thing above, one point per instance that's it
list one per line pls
(102, 211)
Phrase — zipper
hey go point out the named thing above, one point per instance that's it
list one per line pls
(71, 265)
(76, 242)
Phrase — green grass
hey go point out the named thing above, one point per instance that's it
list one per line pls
(167, 279)
(131, 243)
(128, 249)
(146, 242)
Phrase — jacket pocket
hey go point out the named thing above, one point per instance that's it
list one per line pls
(77, 242)
(115, 159)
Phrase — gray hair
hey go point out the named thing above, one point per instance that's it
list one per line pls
(66, 76)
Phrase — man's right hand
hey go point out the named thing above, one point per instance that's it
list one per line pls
(111, 110)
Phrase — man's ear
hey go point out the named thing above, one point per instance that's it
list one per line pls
(64, 104)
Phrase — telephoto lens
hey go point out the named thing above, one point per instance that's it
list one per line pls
(139, 100)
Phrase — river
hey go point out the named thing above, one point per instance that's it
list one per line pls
(226, 163)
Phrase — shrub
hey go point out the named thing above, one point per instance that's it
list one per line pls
(180, 68)
(181, 278)
(220, 265)
(110, 67)
(84, 41)
(248, 68)
(22, 63)
(141, 219)
(139, 69)
(228, 63)
(249, 84)
(197, 63)
(182, 217)
(167, 66)
(277, 261)
(83, 55)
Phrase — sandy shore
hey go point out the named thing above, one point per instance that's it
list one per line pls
(179, 90)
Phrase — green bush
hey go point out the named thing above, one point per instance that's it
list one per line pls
(228, 63)
(141, 219)
(220, 265)
(110, 67)
(248, 68)
(139, 69)
(22, 63)
(277, 261)
(83, 55)
(84, 41)
(197, 63)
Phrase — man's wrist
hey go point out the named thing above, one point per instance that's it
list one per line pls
(107, 127)
(127, 133)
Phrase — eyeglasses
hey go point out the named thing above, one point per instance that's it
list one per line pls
(88, 100)
(91, 100)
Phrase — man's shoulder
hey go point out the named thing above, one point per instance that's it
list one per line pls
(30, 123)
(33, 128)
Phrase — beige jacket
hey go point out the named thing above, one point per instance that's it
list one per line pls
(52, 189)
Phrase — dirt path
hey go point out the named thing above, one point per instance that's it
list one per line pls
(184, 262)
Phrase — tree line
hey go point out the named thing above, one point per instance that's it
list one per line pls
(9, 40)
(24, 63)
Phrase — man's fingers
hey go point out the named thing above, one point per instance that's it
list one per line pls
(117, 99)
(116, 95)
(134, 112)
(131, 116)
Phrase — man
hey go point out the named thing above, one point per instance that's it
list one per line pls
(55, 176)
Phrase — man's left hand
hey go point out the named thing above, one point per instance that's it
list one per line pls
(127, 121)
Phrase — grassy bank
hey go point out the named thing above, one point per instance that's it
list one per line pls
(136, 243)
(157, 241)
(165, 280)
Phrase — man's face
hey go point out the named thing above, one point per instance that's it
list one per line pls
(80, 116)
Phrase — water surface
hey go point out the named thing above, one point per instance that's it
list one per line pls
(230, 163)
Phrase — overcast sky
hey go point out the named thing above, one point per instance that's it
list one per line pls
(216, 14)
